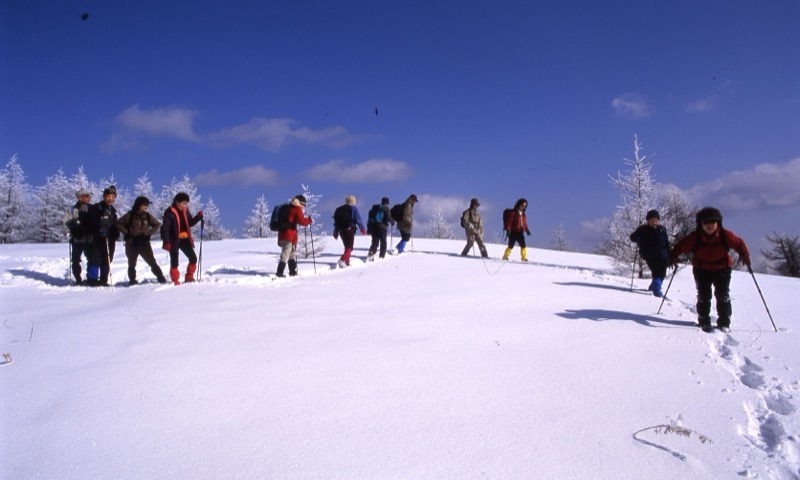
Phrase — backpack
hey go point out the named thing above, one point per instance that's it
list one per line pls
(464, 217)
(280, 218)
(375, 214)
(508, 216)
(343, 217)
(397, 212)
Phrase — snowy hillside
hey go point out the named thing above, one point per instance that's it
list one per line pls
(421, 366)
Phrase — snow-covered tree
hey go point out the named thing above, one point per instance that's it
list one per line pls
(213, 229)
(560, 241)
(637, 192)
(438, 227)
(784, 253)
(676, 211)
(311, 241)
(257, 224)
(52, 200)
(15, 201)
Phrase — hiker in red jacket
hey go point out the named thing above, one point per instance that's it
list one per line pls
(176, 235)
(711, 264)
(516, 226)
(287, 235)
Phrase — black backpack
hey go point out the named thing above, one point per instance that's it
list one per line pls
(397, 212)
(343, 217)
(375, 214)
(280, 218)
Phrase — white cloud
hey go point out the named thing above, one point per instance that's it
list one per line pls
(373, 170)
(275, 133)
(247, 176)
(703, 105)
(765, 186)
(133, 123)
(632, 106)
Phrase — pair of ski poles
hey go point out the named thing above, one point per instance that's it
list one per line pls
(752, 274)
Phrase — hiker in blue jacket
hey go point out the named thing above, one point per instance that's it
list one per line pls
(653, 244)
(346, 219)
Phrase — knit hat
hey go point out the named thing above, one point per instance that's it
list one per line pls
(139, 202)
(385, 201)
(708, 214)
(110, 190)
(82, 192)
(301, 199)
(652, 214)
(181, 197)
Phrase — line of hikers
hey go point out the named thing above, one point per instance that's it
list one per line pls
(93, 230)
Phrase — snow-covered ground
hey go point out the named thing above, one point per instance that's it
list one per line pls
(421, 366)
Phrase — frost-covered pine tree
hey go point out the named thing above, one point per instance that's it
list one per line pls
(52, 201)
(310, 239)
(676, 211)
(257, 224)
(560, 241)
(784, 254)
(637, 192)
(213, 229)
(15, 203)
(438, 227)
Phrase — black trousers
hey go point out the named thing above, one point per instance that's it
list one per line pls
(135, 248)
(185, 246)
(378, 238)
(720, 280)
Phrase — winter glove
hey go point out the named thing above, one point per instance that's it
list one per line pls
(363, 232)
(335, 235)
(745, 259)
(167, 247)
(528, 232)
(103, 233)
(200, 214)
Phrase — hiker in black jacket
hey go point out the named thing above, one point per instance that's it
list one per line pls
(653, 244)
(101, 223)
(378, 222)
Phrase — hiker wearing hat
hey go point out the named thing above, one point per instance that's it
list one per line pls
(101, 222)
(346, 219)
(711, 265)
(378, 222)
(515, 224)
(176, 235)
(137, 226)
(403, 214)
(473, 227)
(287, 235)
(653, 244)
(79, 238)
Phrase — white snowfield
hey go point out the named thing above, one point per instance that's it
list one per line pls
(425, 365)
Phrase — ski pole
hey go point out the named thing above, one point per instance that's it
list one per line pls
(635, 255)
(69, 263)
(762, 297)
(200, 256)
(108, 259)
(313, 254)
(664, 297)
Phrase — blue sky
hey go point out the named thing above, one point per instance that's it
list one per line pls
(447, 100)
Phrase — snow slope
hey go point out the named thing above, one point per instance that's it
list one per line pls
(421, 366)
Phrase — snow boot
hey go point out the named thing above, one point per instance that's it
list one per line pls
(401, 246)
(524, 254)
(281, 268)
(724, 311)
(190, 269)
(133, 281)
(292, 267)
(656, 287)
(175, 276)
(506, 253)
